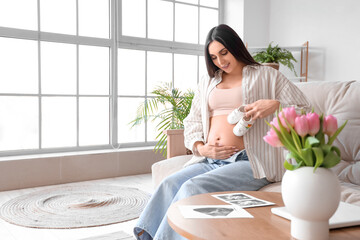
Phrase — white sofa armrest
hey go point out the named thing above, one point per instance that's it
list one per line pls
(164, 168)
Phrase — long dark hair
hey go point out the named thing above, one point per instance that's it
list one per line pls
(231, 40)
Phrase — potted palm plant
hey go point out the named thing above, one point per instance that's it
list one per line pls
(273, 55)
(175, 107)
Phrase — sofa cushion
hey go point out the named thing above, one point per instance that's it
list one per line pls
(350, 193)
(340, 99)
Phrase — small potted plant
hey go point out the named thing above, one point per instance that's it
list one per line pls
(310, 190)
(273, 55)
(176, 106)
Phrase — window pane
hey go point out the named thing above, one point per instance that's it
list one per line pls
(18, 54)
(93, 121)
(159, 69)
(18, 14)
(208, 20)
(58, 16)
(210, 3)
(133, 18)
(202, 67)
(186, 23)
(185, 71)
(160, 25)
(94, 26)
(93, 70)
(19, 126)
(131, 72)
(189, 1)
(58, 122)
(127, 108)
(58, 68)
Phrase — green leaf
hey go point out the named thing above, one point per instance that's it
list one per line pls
(333, 137)
(289, 166)
(311, 141)
(161, 145)
(296, 139)
(295, 156)
(292, 167)
(336, 149)
(320, 135)
(325, 148)
(307, 156)
(319, 157)
(288, 143)
(331, 159)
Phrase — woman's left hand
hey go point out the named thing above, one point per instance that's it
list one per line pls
(261, 108)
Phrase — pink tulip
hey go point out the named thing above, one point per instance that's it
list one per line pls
(283, 122)
(330, 125)
(275, 123)
(272, 139)
(314, 123)
(290, 115)
(301, 125)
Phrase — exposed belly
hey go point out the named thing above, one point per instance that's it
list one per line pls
(221, 133)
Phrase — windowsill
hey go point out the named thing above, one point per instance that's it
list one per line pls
(74, 153)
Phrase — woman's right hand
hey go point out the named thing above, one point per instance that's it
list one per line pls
(216, 151)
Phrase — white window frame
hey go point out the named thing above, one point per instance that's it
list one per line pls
(115, 41)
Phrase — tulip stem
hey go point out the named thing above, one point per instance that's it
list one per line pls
(303, 142)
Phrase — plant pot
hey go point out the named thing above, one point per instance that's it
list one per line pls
(311, 198)
(273, 65)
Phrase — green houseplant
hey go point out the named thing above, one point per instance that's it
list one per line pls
(175, 107)
(275, 54)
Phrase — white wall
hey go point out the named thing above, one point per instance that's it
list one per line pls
(234, 15)
(256, 22)
(332, 28)
(250, 19)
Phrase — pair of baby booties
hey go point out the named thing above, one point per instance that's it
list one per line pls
(243, 123)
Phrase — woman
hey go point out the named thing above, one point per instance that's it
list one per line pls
(224, 161)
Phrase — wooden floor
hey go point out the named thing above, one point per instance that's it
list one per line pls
(12, 232)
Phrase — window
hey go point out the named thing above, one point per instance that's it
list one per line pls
(72, 81)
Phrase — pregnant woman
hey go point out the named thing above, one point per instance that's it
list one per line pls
(224, 130)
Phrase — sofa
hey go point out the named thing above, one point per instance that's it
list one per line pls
(340, 99)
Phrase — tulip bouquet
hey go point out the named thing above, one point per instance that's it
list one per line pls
(307, 136)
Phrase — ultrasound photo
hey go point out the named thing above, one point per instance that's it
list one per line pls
(214, 211)
(242, 200)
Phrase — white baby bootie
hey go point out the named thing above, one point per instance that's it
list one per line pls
(243, 126)
(236, 115)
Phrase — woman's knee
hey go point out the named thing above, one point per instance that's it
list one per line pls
(172, 183)
(176, 180)
(189, 188)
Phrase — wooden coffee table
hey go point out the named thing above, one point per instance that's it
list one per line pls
(264, 225)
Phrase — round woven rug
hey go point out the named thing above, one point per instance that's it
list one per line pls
(75, 206)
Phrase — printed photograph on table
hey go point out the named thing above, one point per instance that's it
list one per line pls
(213, 211)
(242, 200)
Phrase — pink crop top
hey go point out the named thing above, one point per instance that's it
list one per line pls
(224, 101)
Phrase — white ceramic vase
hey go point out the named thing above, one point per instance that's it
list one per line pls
(311, 198)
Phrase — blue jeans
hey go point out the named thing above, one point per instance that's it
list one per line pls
(204, 177)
